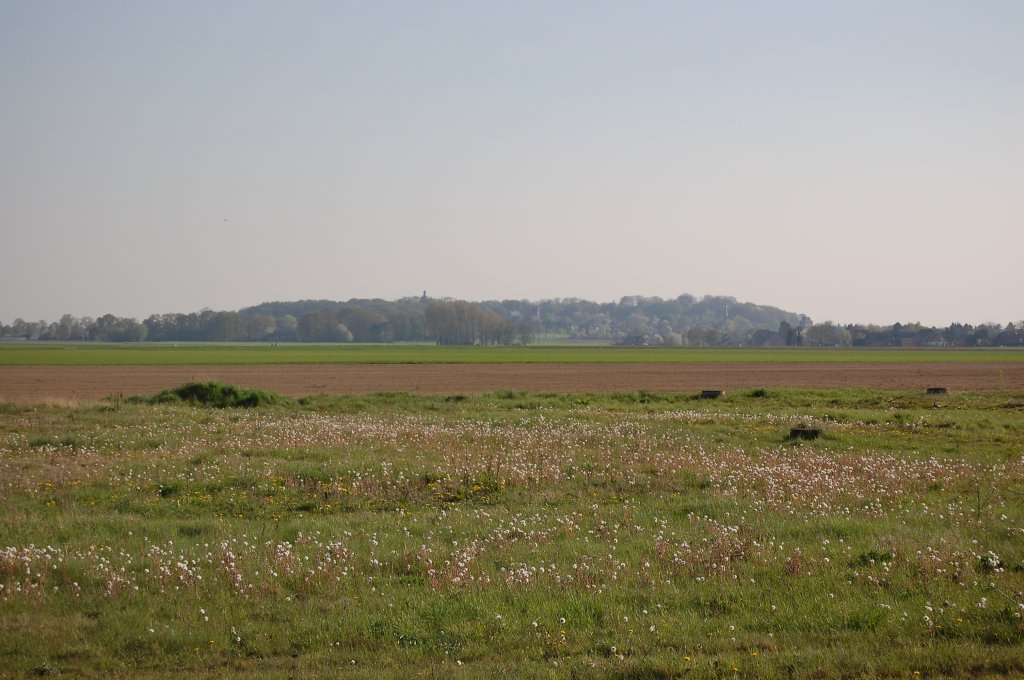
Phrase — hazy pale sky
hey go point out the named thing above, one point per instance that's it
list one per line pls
(859, 161)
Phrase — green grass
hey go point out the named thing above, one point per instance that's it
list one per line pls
(170, 354)
(516, 534)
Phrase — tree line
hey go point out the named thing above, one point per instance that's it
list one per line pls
(684, 321)
(463, 323)
(914, 335)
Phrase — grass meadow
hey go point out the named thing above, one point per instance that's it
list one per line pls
(178, 354)
(516, 535)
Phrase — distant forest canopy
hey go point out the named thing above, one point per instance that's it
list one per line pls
(685, 321)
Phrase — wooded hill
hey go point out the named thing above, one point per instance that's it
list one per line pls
(632, 320)
(685, 321)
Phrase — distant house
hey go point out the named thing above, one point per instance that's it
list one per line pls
(283, 335)
(885, 338)
(635, 340)
(1011, 337)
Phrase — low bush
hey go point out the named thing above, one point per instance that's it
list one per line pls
(218, 395)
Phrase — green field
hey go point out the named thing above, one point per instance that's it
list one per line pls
(169, 354)
(516, 535)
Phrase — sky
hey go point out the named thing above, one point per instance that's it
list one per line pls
(857, 161)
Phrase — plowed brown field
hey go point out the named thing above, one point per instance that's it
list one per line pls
(41, 383)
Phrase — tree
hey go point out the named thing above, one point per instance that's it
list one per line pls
(225, 327)
(524, 331)
(792, 336)
(701, 336)
(259, 326)
(20, 328)
(828, 335)
(439, 322)
(323, 326)
(288, 323)
(310, 327)
(455, 322)
(109, 328)
(366, 325)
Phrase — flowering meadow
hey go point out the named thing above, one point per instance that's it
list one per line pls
(516, 535)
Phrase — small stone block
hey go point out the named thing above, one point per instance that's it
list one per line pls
(804, 433)
(711, 394)
(938, 390)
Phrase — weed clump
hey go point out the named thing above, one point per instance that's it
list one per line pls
(218, 395)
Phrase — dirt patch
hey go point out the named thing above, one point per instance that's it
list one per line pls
(86, 383)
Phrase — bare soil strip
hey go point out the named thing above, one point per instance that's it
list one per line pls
(84, 383)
